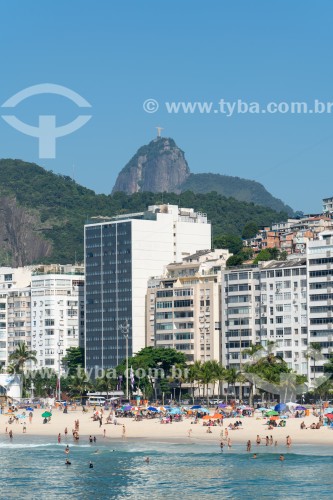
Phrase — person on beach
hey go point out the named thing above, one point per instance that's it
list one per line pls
(288, 441)
(30, 417)
(267, 440)
(226, 432)
(248, 446)
(123, 435)
(10, 434)
(104, 433)
(258, 440)
(189, 432)
(271, 440)
(66, 431)
(59, 438)
(24, 429)
(229, 443)
(90, 439)
(221, 445)
(95, 439)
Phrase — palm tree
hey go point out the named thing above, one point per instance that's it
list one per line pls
(253, 353)
(314, 353)
(79, 383)
(20, 356)
(232, 376)
(106, 382)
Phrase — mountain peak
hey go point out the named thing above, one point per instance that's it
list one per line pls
(156, 167)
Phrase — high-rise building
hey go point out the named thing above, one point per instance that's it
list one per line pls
(11, 327)
(57, 313)
(121, 253)
(183, 306)
(320, 300)
(266, 304)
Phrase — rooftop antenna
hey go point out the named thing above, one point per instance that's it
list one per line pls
(159, 130)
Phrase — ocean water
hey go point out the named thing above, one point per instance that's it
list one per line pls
(35, 468)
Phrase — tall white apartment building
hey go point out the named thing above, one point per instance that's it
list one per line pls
(11, 279)
(320, 299)
(183, 307)
(121, 254)
(262, 304)
(57, 313)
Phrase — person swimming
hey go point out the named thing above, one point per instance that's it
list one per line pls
(91, 465)
(68, 462)
(147, 460)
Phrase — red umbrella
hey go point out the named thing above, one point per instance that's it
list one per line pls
(329, 415)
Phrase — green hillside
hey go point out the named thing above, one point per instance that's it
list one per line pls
(241, 189)
(57, 208)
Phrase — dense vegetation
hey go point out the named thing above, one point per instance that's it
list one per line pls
(63, 206)
(241, 189)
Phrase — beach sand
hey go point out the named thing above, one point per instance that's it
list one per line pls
(153, 430)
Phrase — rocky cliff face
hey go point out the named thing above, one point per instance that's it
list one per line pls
(160, 166)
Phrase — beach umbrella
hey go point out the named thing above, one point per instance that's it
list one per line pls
(46, 414)
(204, 410)
(280, 407)
(195, 407)
(272, 413)
(152, 408)
(222, 405)
(328, 410)
(206, 417)
(329, 415)
(217, 415)
(300, 408)
(127, 408)
(262, 409)
(290, 404)
(175, 411)
(274, 417)
(29, 409)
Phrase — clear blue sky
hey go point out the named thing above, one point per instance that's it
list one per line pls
(116, 54)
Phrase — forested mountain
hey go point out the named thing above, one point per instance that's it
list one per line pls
(42, 214)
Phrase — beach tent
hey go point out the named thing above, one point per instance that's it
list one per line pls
(300, 408)
(175, 411)
(195, 407)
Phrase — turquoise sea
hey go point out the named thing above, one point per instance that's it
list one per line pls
(35, 468)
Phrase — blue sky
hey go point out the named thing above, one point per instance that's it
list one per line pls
(118, 54)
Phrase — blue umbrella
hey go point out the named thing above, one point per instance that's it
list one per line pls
(204, 410)
(222, 405)
(152, 408)
(175, 411)
(300, 408)
(29, 409)
(195, 407)
(280, 407)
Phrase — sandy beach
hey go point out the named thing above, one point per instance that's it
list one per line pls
(153, 430)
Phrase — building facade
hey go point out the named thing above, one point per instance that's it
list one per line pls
(183, 307)
(121, 254)
(262, 305)
(57, 313)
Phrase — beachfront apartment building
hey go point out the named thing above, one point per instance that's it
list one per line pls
(183, 307)
(264, 304)
(320, 300)
(10, 280)
(57, 313)
(121, 254)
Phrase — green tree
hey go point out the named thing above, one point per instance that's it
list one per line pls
(73, 359)
(250, 230)
(21, 356)
(233, 243)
